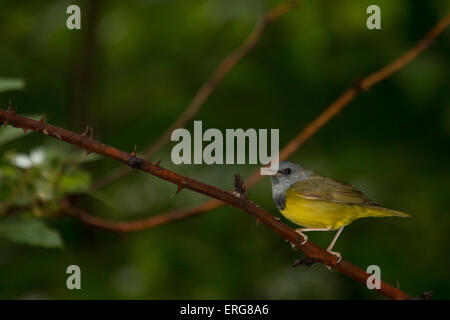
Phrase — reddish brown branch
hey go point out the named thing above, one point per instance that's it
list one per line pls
(309, 248)
(293, 145)
(130, 226)
(209, 86)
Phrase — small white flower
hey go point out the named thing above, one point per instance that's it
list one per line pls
(37, 156)
(24, 161)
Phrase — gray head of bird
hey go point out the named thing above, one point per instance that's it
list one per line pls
(288, 174)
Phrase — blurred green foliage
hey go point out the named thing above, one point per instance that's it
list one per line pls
(30, 231)
(33, 185)
(132, 70)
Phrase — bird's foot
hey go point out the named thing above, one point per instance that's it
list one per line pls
(337, 255)
(305, 237)
(293, 246)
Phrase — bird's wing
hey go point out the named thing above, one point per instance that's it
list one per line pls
(326, 189)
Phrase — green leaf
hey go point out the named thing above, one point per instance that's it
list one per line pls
(74, 182)
(9, 134)
(8, 172)
(11, 84)
(82, 158)
(43, 189)
(31, 231)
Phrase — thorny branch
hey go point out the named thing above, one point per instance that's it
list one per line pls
(330, 112)
(313, 252)
(209, 86)
(92, 145)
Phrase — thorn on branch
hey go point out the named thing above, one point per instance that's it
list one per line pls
(85, 131)
(133, 154)
(179, 188)
(88, 152)
(91, 136)
(42, 120)
(157, 163)
(25, 130)
(10, 110)
(303, 261)
(358, 86)
(239, 186)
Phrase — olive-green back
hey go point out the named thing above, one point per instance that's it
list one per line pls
(318, 187)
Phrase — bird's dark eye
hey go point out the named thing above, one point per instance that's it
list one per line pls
(287, 171)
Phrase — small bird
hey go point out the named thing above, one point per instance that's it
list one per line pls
(319, 203)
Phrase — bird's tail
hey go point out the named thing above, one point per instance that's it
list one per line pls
(384, 212)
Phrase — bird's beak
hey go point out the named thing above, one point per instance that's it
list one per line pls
(278, 174)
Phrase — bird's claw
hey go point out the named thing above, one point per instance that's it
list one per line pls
(293, 246)
(337, 255)
(305, 237)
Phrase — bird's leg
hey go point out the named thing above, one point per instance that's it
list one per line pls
(337, 254)
(300, 232)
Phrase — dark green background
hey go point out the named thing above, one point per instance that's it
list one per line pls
(144, 63)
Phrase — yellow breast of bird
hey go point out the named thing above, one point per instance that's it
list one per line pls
(318, 214)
